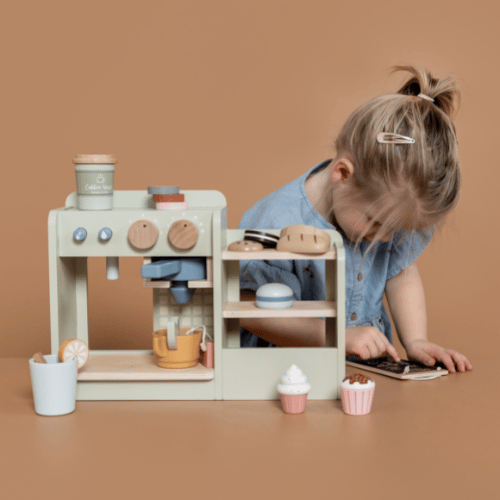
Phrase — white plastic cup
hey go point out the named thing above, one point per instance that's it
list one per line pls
(94, 181)
(54, 385)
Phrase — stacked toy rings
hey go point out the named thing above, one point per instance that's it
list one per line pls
(167, 198)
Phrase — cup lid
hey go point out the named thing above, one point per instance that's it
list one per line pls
(94, 159)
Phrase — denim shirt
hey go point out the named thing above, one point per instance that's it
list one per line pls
(365, 278)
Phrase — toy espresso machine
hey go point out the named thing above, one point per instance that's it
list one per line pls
(178, 235)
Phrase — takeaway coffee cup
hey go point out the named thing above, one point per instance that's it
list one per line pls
(54, 385)
(94, 181)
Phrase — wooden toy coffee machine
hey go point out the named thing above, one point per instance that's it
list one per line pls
(194, 233)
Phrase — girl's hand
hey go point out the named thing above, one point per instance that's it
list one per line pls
(428, 353)
(368, 342)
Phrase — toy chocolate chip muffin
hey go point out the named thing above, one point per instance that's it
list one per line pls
(357, 394)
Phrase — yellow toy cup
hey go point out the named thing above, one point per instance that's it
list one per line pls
(187, 351)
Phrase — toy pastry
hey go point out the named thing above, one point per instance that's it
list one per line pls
(356, 392)
(293, 390)
(74, 348)
(274, 296)
(245, 246)
(163, 190)
(268, 240)
(303, 239)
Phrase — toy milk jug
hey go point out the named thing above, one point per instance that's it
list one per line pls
(177, 348)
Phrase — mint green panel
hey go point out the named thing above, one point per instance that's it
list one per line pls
(255, 373)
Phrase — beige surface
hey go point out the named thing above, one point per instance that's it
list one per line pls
(434, 439)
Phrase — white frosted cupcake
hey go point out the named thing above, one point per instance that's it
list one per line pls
(357, 392)
(293, 390)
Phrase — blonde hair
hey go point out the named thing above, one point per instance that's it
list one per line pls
(408, 185)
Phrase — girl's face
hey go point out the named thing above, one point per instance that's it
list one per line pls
(356, 220)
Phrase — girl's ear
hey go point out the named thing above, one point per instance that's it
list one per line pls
(342, 170)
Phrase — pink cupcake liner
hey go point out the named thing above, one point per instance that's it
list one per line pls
(294, 403)
(357, 401)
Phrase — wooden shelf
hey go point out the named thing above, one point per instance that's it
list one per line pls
(271, 254)
(136, 367)
(299, 309)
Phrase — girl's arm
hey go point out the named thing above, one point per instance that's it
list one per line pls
(288, 332)
(405, 295)
(285, 332)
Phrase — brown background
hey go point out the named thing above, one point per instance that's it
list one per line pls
(241, 97)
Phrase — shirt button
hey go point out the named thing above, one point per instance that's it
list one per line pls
(354, 316)
(360, 277)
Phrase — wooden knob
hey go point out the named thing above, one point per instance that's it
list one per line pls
(143, 234)
(183, 234)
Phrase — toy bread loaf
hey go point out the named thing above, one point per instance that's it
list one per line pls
(303, 239)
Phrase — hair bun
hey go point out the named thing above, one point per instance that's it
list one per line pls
(444, 91)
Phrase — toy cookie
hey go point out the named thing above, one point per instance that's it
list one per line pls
(274, 296)
(74, 348)
(168, 198)
(163, 190)
(245, 246)
(268, 240)
(303, 239)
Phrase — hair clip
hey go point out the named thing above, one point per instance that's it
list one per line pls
(389, 138)
(423, 96)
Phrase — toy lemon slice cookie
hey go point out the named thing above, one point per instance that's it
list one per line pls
(74, 348)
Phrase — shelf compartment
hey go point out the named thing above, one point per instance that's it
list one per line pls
(137, 367)
(299, 309)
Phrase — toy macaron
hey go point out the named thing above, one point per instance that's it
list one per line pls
(274, 296)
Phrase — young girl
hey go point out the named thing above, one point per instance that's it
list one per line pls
(395, 177)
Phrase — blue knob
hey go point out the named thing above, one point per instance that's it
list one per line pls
(105, 234)
(80, 234)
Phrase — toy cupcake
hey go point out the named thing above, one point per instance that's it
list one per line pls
(293, 390)
(357, 394)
